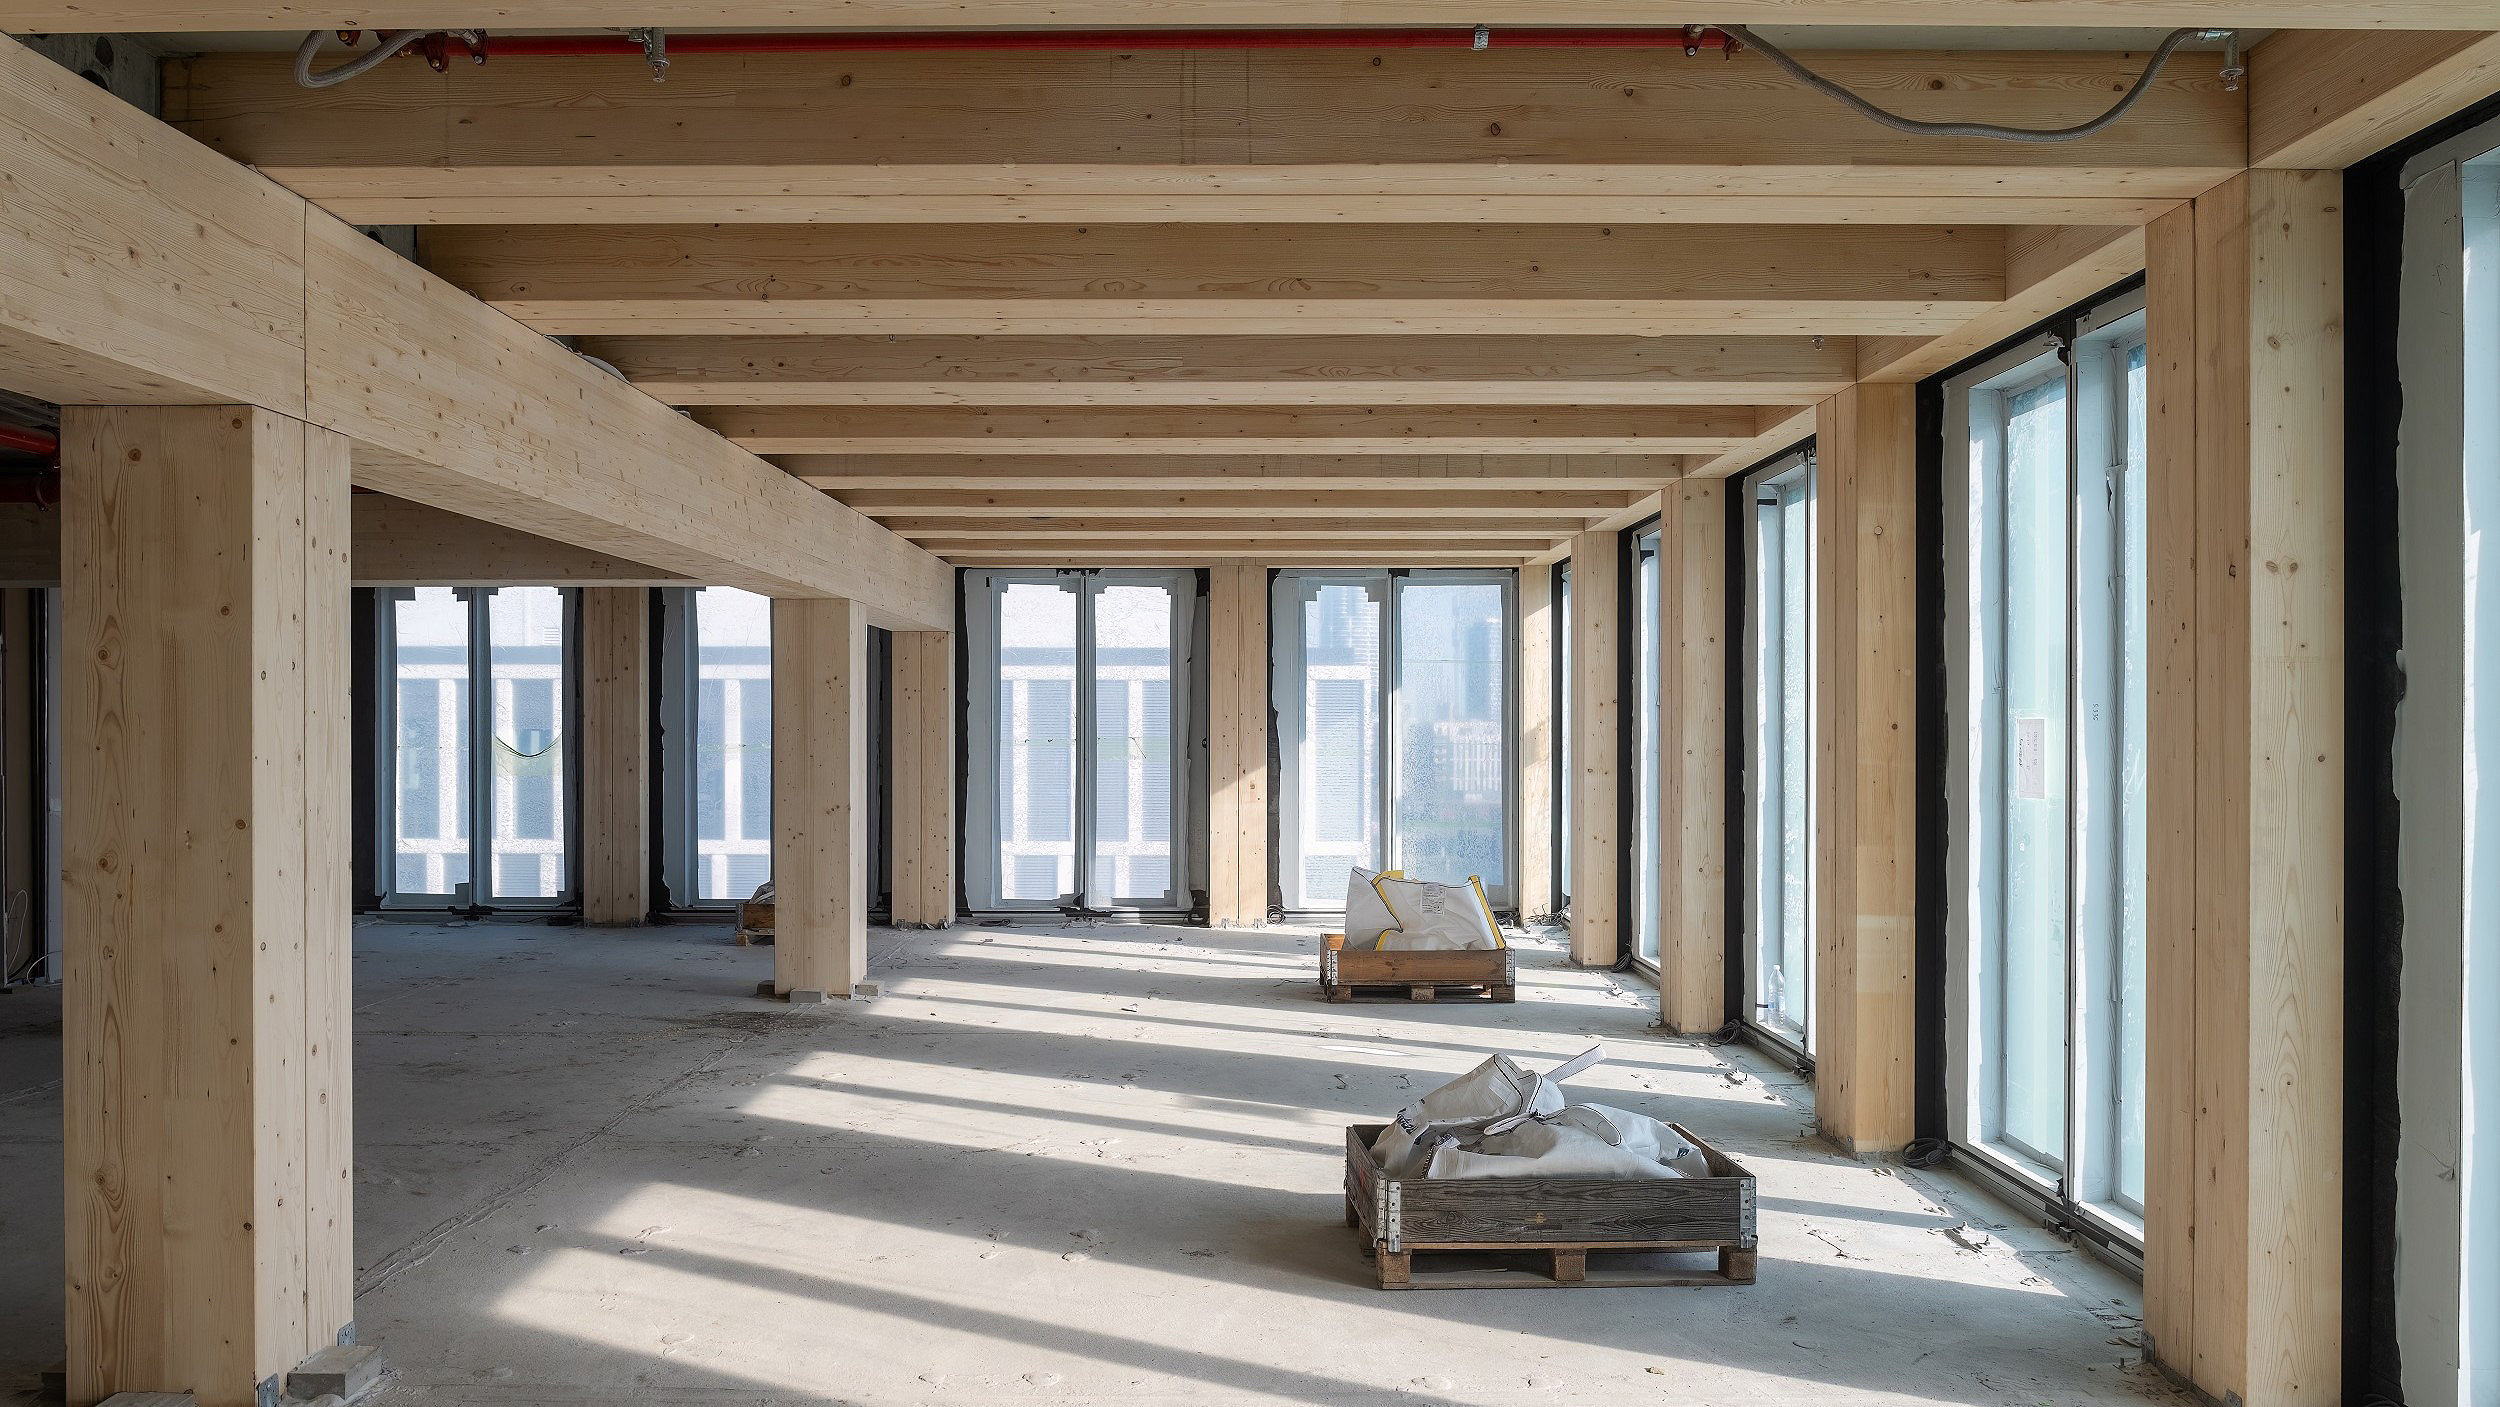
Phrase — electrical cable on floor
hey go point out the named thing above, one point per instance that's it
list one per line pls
(1917, 127)
(1925, 1152)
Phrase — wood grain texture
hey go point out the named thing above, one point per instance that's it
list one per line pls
(292, 15)
(1865, 777)
(1692, 757)
(2047, 269)
(615, 756)
(938, 500)
(956, 280)
(135, 267)
(393, 543)
(820, 798)
(1260, 430)
(205, 1007)
(1427, 474)
(922, 785)
(2172, 1184)
(2324, 99)
(1092, 138)
(1597, 847)
(1237, 744)
(1231, 371)
(1539, 635)
(455, 406)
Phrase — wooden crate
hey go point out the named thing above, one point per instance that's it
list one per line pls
(1469, 974)
(1572, 1232)
(755, 923)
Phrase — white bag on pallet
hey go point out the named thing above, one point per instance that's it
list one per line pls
(1496, 1096)
(1390, 911)
(1581, 1140)
(1367, 915)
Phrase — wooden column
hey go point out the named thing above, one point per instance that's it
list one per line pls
(820, 800)
(1237, 877)
(1865, 732)
(1692, 756)
(922, 781)
(2244, 983)
(1596, 746)
(616, 754)
(1535, 881)
(205, 1070)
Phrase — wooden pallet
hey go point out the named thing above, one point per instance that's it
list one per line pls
(1563, 1232)
(755, 924)
(1371, 974)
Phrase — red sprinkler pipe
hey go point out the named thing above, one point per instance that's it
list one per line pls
(1688, 38)
(25, 439)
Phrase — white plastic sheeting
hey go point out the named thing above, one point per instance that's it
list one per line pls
(1504, 1120)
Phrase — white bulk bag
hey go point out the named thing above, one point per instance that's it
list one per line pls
(1582, 1140)
(1367, 915)
(1496, 1095)
(1436, 916)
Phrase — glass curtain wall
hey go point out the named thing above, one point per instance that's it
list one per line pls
(733, 742)
(1779, 685)
(2047, 790)
(1394, 709)
(482, 695)
(1078, 691)
(1644, 645)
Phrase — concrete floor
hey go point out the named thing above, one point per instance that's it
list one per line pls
(1078, 1166)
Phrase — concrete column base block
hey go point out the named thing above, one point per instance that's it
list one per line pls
(342, 1372)
(807, 996)
(151, 1399)
(865, 992)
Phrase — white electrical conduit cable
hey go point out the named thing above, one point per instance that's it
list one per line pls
(354, 68)
(1917, 128)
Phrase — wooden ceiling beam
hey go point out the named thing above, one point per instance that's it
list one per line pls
(1232, 371)
(1364, 555)
(2046, 270)
(1419, 523)
(1285, 280)
(1172, 501)
(1414, 474)
(2320, 101)
(1619, 136)
(132, 16)
(1348, 430)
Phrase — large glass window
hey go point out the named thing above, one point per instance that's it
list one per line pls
(1410, 666)
(1644, 645)
(2049, 594)
(1779, 804)
(1564, 727)
(1077, 691)
(481, 696)
(733, 742)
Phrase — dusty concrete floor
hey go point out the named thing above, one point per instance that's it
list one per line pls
(1098, 1165)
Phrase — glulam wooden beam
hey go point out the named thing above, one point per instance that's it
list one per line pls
(2245, 1057)
(138, 268)
(292, 15)
(1231, 371)
(1595, 662)
(2047, 269)
(1386, 555)
(1616, 137)
(1237, 779)
(957, 280)
(820, 797)
(1038, 528)
(921, 787)
(1416, 474)
(2322, 100)
(616, 754)
(1262, 430)
(1692, 756)
(1538, 506)
(206, 1083)
(1865, 776)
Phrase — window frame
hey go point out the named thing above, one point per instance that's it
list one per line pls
(385, 740)
(1285, 687)
(979, 875)
(1763, 857)
(2089, 354)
